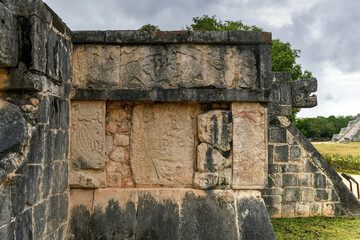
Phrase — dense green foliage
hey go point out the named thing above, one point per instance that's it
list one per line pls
(150, 28)
(206, 23)
(322, 127)
(316, 228)
(283, 56)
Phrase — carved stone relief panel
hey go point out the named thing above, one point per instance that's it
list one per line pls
(87, 149)
(174, 66)
(249, 146)
(163, 143)
(96, 66)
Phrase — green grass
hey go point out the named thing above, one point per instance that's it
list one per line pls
(344, 157)
(316, 228)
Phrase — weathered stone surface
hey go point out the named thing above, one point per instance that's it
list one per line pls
(87, 178)
(119, 155)
(215, 127)
(12, 125)
(5, 207)
(96, 66)
(209, 159)
(7, 231)
(225, 179)
(253, 219)
(39, 217)
(300, 93)
(249, 146)
(87, 135)
(9, 38)
(23, 228)
(18, 195)
(205, 180)
(33, 183)
(121, 140)
(162, 143)
(187, 66)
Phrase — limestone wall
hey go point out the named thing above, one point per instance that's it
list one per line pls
(301, 183)
(35, 52)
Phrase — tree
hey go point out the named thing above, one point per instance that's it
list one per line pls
(150, 28)
(282, 55)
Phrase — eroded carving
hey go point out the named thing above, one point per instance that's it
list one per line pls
(96, 66)
(189, 66)
(163, 143)
(300, 93)
(87, 134)
(249, 146)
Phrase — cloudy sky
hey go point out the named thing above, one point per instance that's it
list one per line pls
(326, 31)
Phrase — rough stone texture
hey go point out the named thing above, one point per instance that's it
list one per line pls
(300, 93)
(96, 66)
(215, 128)
(9, 38)
(12, 125)
(169, 214)
(249, 143)
(163, 144)
(209, 159)
(205, 180)
(87, 135)
(301, 182)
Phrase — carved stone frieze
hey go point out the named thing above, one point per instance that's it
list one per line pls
(163, 143)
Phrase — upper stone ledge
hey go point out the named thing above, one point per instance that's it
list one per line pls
(144, 37)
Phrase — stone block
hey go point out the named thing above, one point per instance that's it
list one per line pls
(306, 179)
(5, 207)
(290, 180)
(120, 155)
(302, 209)
(295, 153)
(18, 196)
(39, 217)
(225, 179)
(38, 37)
(43, 111)
(329, 209)
(112, 127)
(57, 211)
(96, 66)
(322, 195)
(122, 140)
(310, 167)
(36, 152)
(33, 183)
(215, 128)
(282, 153)
(209, 159)
(334, 196)
(249, 146)
(64, 59)
(87, 178)
(87, 150)
(163, 143)
(12, 125)
(270, 153)
(316, 209)
(56, 177)
(308, 195)
(205, 180)
(52, 55)
(293, 168)
(47, 180)
(273, 205)
(291, 195)
(277, 135)
(288, 210)
(24, 223)
(273, 168)
(319, 180)
(253, 219)
(8, 231)
(9, 41)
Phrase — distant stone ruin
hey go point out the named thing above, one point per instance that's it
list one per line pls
(351, 133)
(151, 135)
